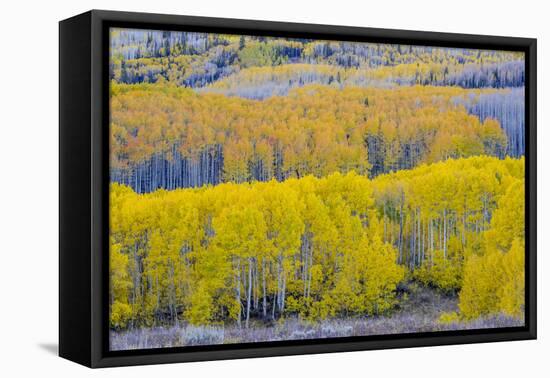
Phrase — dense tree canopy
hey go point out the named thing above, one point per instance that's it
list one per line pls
(168, 137)
(319, 247)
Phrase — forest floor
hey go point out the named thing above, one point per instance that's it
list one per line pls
(418, 310)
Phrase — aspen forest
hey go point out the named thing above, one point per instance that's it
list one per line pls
(269, 189)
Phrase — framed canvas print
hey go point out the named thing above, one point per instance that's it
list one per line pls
(234, 188)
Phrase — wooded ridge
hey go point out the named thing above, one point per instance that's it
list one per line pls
(168, 137)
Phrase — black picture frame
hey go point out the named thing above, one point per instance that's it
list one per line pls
(84, 178)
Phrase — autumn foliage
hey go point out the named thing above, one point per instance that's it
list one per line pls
(257, 180)
(319, 247)
(314, 130)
